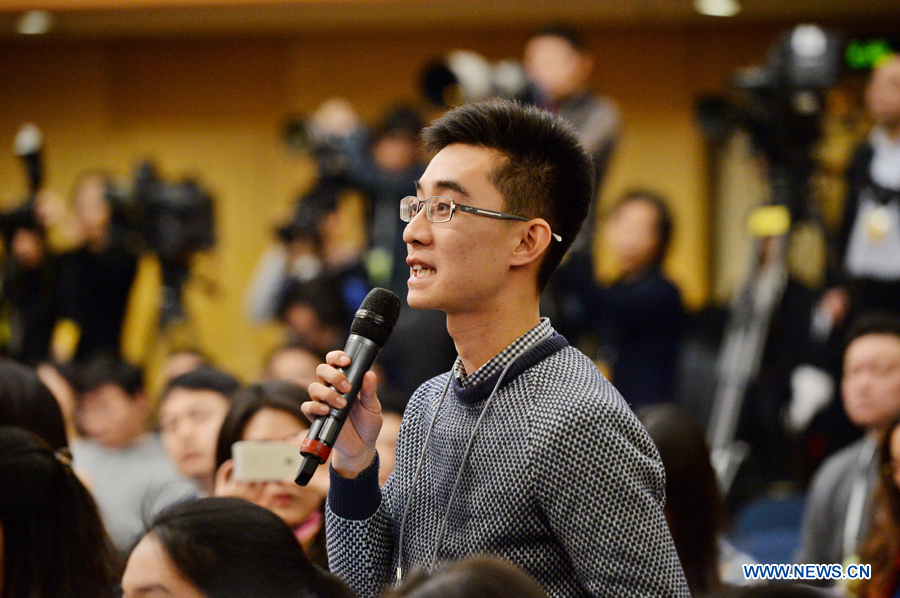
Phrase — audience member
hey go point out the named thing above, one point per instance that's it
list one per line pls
(181, 362)
(124, 464)
(223, 548)
(53, 541)
(868, 244)
(838, 512)
(694, 509)
(293, 362)
(640, 317)
(315, 314)
(559, 66)
(270, 411)
(396, 160)
(27, 403)
(881, 549)
(191, 411)
(94, 280)
(474, 577)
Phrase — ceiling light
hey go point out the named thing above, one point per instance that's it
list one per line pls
(717, 8)
(35, 22)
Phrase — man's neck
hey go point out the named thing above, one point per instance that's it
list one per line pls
(98, 243)
(633, 273)
(479, 337)
(138, 438)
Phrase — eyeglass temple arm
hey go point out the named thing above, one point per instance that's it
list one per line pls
(500, 216)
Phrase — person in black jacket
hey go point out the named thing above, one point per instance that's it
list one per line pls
(95, 279)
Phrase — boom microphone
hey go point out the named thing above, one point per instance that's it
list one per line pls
(371, 328)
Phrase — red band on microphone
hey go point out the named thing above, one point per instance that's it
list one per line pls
(315, 448)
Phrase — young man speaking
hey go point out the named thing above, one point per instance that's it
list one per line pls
(523, 450)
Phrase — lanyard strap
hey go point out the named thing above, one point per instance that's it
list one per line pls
(856, 507)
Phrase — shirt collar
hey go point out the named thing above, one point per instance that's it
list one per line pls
(880, 140)
(515, 350)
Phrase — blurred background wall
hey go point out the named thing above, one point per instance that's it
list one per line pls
(211, 100)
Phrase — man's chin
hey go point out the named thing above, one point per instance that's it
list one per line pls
(417, 303)
(416, 300)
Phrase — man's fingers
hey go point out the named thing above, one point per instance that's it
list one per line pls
(330, 376)
(337, 359)
(313, 409)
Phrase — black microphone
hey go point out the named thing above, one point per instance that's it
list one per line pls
(371, 328)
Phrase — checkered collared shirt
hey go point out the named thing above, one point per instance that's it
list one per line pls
(496, 364)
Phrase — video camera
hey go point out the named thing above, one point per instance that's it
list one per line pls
(174, 220)
(466, 76)
(780, 105)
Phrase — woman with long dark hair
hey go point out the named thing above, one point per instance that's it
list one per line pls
(270, 411)
(26, 402)
(222, 547)
(694, 509)
(881, 549)
(54, 543)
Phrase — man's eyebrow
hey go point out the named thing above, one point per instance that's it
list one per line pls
(446, 185)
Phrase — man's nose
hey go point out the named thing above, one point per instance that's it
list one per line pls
(417, 229)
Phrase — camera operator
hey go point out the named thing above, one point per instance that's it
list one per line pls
(385, 172)
(868, 245)
(311, 246)
(28, 287)
(95, 279)
(380, 162)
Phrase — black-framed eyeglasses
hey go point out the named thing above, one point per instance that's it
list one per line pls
(440, 209)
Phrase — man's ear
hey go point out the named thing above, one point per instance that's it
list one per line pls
(534, 239)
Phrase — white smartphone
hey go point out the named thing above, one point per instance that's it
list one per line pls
(260, 461)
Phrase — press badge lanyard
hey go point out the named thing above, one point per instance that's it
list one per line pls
(857, 505)
(468, 449)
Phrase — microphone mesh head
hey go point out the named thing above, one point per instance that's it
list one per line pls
(376, 316)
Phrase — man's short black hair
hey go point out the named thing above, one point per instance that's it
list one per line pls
(323, 294)
(664, 223)
(545, 172)
(874, 323)
(401, 121)
(110, 369)
(562, 32)
(204, 378)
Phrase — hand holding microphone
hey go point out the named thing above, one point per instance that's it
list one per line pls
(340, 381)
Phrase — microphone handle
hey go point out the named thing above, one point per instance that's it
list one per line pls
(325, 429)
